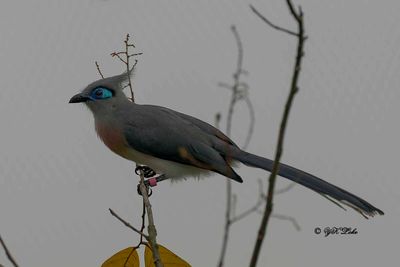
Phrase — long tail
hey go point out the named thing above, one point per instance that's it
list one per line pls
(308, 180)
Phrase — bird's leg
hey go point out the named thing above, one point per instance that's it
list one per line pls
(153, 181)
(147, 171)
(149, 174)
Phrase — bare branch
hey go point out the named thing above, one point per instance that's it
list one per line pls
(128, 70)
(8, 253)
(271, 24)
(141, 237)
(114, 54)
(252, 122)
(285, 189)
(250, 210)
(135, 54)
(225, 85)
(128, 224)
(234, 98)
(279, 150)
(217, 119)
(236, 79)
(254, 208)
(287, 218)
(239, 91)
(124, 57)
(143, 223)
(98, 69)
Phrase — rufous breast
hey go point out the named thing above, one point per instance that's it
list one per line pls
(113, 138)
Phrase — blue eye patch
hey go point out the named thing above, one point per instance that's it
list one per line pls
(101, 93)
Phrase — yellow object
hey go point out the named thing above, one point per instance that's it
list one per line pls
(125, 258)
(168, 258)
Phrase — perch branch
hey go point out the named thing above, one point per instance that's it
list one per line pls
(151, 228)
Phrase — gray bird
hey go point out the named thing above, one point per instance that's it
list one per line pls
(178, 145)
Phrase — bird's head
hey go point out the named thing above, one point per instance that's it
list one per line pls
(103, 95)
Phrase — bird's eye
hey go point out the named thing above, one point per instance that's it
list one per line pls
(98, 92)
(101, 93)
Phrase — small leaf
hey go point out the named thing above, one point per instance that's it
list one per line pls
(168, 258)
(125, 258)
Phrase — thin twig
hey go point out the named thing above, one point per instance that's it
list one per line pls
(128, 70)
(98, 69)
(8, 253)
(287, 218)
(236, 79)
(128, 224)
(114, 54)
(261, 199)
(239, 92)
(140, 241)
(250, 210)
(285, 189)
(234, 98)
(143, 223)
(252, 122)
(271, 24)
(217, 120)
(124, 57)
(254, 208)
(279, 150)
(141, 236)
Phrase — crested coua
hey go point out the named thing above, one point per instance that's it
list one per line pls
(178, 145)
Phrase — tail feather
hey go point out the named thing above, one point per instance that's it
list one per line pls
(308, 180)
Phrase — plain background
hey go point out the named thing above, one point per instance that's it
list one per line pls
(57, 180)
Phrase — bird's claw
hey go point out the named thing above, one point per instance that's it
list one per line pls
(149, 191)
(147, 171)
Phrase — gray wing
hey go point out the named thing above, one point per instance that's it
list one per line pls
(168, 135)
(207, 128)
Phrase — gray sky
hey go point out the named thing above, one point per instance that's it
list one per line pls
(57, 180)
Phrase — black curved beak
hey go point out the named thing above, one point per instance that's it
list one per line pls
(78, 98)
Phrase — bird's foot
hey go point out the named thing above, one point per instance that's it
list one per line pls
(148, 189)
(147, 171)
(151, 183)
